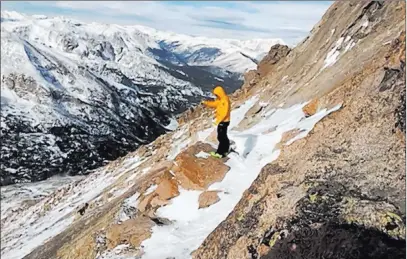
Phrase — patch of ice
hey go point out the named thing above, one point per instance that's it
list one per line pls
(202, 135)
(350, 45)
(331, 58)
(202, 154)
(177, 147)
(220, 79)
(181, 72)
(333, 55)
(330, 36)
(173, 125)
(238, 114)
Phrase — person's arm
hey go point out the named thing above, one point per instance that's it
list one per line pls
(211, 104)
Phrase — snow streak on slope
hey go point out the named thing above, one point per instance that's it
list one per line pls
(14, 197)
(21, 233)
(256, 149)
(233, 55)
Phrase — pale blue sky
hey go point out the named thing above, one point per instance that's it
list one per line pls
(289, 20)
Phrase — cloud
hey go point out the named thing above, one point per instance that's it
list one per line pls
(290, 21)
(230, 26)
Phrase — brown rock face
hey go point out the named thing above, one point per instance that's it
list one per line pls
(289, 135)
(198, 173)
(276, 53)
(132, 231)
(251, 78)
(167, 189)
(311, 108)
(208, 198)
(163, 166)
(145, 202)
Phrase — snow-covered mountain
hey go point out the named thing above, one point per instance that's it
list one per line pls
(319, 138)
(75, 94)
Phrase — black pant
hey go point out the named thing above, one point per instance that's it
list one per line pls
(223, 139)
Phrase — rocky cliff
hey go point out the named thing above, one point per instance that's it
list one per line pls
(318, 172)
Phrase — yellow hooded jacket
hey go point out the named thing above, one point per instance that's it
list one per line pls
(222, 105)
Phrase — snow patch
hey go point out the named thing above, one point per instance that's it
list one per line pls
(219, 79)
(203, 135)
(116, 253)
(202, 154)
(333, 55)
(238, 114)
(256, 148)
(177, 147)
(21, 233)
(128, 207)
(173, 125)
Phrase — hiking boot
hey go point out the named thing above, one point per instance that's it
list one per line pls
(216, 155)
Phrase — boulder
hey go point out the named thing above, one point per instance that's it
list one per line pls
(208, 198)
(195, 173)
(167, 189)
(311, 108)
(132, 231)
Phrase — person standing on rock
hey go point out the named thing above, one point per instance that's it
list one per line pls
(222, 106)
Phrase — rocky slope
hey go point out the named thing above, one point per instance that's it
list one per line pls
(319, 168)
(74, 95)
(340, 192)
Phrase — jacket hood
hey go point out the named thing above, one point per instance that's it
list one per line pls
(219, 92)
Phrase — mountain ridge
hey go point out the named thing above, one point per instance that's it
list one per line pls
(113, 85)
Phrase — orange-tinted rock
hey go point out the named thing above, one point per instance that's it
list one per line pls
(262, 250)
(157, 202)
(145, 202)
(132, 231)
(167, 189)
(208, 198)
(161, 166)
(198, 173)
(311, 108)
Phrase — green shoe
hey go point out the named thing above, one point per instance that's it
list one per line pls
(214, 154)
